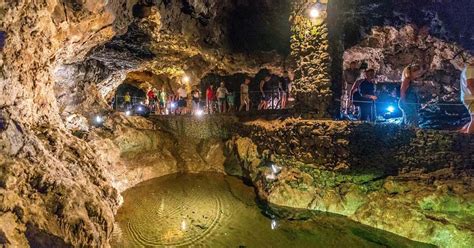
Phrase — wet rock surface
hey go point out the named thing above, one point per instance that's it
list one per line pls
(417, 184)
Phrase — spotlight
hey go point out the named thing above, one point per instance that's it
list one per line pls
(140, 109)
(314, 12)
(128, 113)
(199, 113)
(173, 105)
(274, 224)
(391, 109)
(183, 225)
(99, 119)
(186, 79)
(275, 169)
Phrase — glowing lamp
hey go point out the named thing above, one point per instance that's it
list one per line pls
(98, 119)
(391, 109)
(128, 113)
(275, 169)
(274, 224)
(186, 79)
(314, 12)
(199, 113)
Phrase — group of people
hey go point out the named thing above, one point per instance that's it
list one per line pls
(362, 93)
(272, 94)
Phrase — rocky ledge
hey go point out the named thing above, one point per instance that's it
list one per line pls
(415, 183)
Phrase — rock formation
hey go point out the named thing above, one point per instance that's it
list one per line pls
(417, 184)
(62, 60)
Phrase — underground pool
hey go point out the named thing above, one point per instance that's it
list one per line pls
(213, 210)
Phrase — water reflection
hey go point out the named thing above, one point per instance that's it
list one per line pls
(209, 210)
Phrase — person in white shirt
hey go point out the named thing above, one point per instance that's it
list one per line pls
(221, 94)
(467, 94)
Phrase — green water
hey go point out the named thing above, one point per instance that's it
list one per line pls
(211, 210)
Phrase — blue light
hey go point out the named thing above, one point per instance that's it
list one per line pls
(391, 109)
(140, 109)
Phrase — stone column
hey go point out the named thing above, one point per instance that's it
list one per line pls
(311, 49)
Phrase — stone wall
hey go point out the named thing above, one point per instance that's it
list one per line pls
(415, 183)
(310, 50)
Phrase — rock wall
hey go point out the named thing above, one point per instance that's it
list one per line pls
(417, 184)
(53, 190)
(136, 149)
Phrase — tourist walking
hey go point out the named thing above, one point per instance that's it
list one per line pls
(467, 94)
(244, 95)
(210, 99)
(221, 94)
(408, 102)
(364, 96)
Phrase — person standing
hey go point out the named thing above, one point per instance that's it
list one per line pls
(196, 95)
(265, 91)
(364, 96)
(163, 97)
(128, 101)
(351, 75)
(467, 94)
(231, 101)
(221, 94)
(182, 100)
(244, 95)
(210, 96)
(284, 89)
(408, 102)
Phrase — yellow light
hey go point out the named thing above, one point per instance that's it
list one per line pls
(314, 13)
(186, 79)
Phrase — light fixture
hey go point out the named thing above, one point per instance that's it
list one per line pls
(391, 109)
(186, 79)
(173, 105)
(140, 109)
(128, 113)
(274, 224)
(199, 113)
(183, 225)
(98, 119)
(316, 11)
(275, 169)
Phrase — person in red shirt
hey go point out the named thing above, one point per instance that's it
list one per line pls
(210, 98)
(151, 99)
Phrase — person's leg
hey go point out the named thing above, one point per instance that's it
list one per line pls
(411, 115)
(365, 111)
